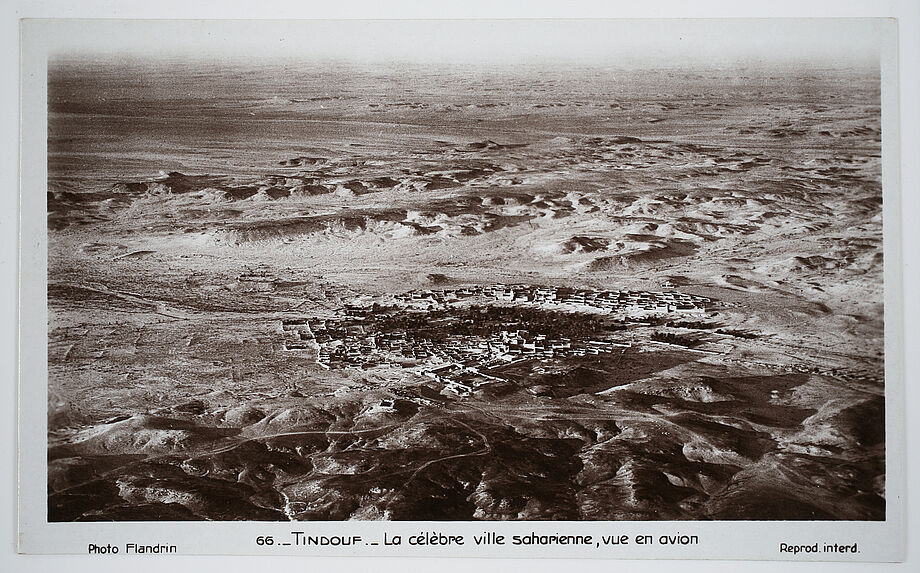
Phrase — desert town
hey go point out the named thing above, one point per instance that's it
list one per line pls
(462, 362)
(608, 301)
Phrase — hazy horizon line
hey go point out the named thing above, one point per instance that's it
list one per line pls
(833, 43)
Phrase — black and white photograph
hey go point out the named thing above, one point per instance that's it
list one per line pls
(464, 271)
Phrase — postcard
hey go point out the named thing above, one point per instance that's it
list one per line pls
(472, 288)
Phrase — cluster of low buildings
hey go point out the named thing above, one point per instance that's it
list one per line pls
(461, 379)
(459, 362)
(341, 343)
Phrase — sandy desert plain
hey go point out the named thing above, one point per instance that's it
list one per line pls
(331, 291)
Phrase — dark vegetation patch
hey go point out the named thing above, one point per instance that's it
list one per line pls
(482, 321)
(678, 339)
(738, 333)
(692, 324)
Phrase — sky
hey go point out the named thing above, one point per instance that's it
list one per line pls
(832, 42)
